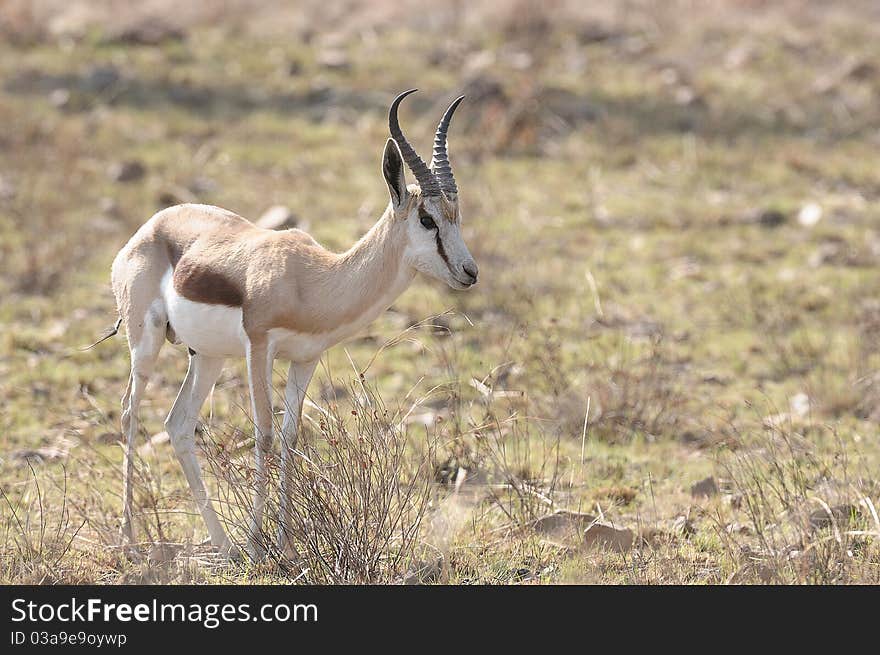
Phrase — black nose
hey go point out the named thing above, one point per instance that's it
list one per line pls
(471, 269)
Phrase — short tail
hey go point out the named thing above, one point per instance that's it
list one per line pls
(111, 332)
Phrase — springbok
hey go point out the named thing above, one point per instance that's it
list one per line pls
(212, 280)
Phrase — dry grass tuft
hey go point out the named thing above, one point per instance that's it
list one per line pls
(810, 517)
(360, 491)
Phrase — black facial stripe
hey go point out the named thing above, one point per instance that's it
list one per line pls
(442, 251)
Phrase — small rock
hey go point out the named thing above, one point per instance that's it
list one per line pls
(99, 78)
(563, 522)
(799, 404)
(863, 70)
(126, 171)
(59, 98)
(147, 31)
(810, 214)
(686, 96)
(334, 60)
(594, 32)
(607, 536)
(771, 218)
(202, 185)
(704, 488)
(277, 217)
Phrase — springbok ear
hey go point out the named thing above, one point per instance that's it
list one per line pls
(392, 169)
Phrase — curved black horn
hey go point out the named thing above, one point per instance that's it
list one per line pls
(426, 179)
(440, 160)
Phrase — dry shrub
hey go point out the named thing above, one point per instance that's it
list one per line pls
(494, 449)
(58, 528)
(359, 493)
(507, 463)
(498, 472)
(811, 517)
(35, 538)
(522, 467)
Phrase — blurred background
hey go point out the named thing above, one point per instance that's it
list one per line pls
(674, 207)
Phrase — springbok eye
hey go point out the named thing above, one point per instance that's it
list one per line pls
(426, 221)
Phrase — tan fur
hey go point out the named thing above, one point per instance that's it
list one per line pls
(281, 279)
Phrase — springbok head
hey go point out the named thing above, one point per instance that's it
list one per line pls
(430, 209)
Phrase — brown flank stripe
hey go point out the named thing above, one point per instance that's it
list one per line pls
(200, 284)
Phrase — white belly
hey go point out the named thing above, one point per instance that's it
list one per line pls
(217, 330)
(212, 330)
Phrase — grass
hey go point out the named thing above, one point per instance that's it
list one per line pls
(637, 190)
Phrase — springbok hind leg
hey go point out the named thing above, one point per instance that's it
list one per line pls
(145, 340)
(181, 424)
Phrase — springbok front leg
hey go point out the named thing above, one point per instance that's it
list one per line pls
(181, 424)
(298, 378)
(259, 367)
